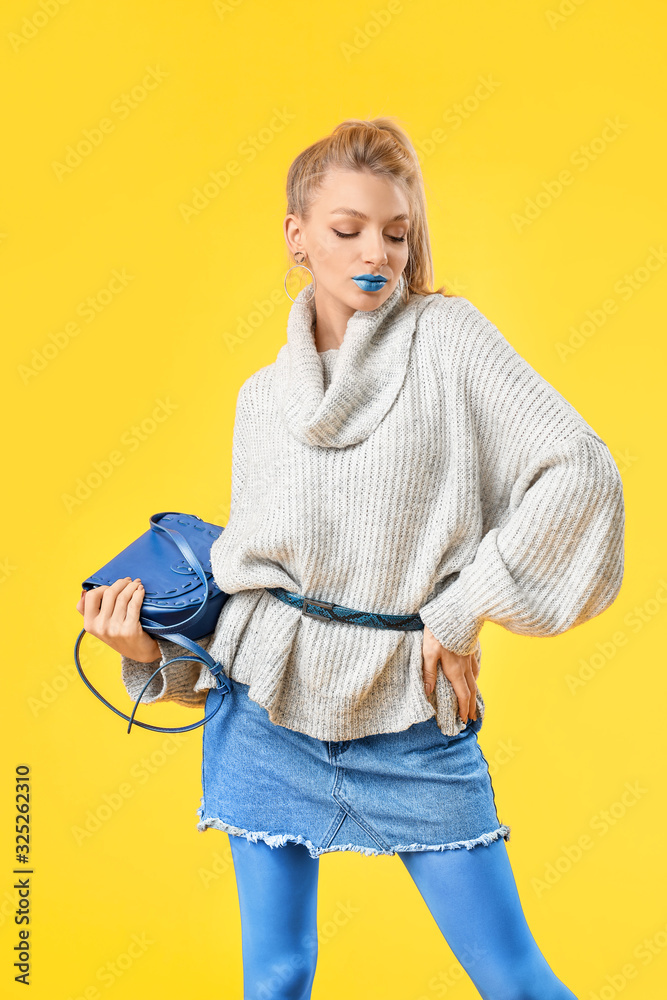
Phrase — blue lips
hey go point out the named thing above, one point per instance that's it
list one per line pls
(369, 282)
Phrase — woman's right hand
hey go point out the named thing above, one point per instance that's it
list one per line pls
(111, 613)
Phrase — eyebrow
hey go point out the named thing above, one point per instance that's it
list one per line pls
(401, 217)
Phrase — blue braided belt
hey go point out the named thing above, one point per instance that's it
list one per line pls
(337, 613)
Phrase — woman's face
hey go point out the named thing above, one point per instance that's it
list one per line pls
(358, 225)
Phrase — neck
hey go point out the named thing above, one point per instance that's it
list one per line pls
(331, 316)
(370, 369)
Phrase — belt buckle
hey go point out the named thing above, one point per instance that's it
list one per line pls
(319, 604)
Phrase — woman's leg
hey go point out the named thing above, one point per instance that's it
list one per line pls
(277, 889)
(474, 900)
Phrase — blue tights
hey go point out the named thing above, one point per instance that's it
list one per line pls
(471, 894)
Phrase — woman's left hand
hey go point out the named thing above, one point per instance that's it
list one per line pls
(460, 671)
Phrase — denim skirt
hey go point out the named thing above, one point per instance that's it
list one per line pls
(414, 790)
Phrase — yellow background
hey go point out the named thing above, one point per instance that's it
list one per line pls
(174, 332)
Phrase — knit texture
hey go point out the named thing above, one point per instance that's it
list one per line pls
(422, 466)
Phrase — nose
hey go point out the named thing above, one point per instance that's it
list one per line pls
(374, 251)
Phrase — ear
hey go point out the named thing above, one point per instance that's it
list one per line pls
(293, 233)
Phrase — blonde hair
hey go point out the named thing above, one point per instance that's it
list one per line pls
(381, 146)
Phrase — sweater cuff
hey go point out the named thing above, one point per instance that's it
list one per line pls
(185, 682)
(483, 590)
(449, 618)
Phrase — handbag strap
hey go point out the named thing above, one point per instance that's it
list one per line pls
(156, 628)
(201, 655)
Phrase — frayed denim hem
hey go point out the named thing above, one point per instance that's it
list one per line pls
(280, 839)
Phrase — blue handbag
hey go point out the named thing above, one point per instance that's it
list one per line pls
(181, 602)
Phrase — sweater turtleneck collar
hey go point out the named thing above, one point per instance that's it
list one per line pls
(370, 369)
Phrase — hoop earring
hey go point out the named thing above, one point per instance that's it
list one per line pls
(299, 264)
(405, 290)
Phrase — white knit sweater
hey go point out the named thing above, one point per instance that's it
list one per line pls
(422, 466)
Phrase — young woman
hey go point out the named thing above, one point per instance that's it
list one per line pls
(399, 476)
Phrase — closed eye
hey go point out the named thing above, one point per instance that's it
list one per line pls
(348, 236)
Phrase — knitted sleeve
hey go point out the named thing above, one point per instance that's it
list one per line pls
(551, 557)
(187, 682)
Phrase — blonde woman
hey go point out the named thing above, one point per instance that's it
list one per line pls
(400, 475)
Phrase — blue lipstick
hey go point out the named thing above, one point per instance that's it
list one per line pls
(369, 282)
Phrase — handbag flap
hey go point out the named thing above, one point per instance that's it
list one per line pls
(168, 579)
